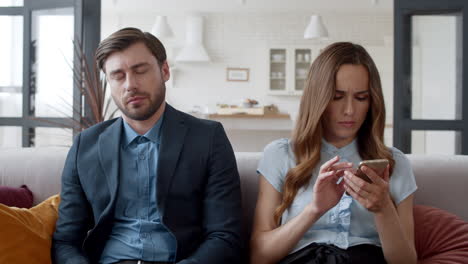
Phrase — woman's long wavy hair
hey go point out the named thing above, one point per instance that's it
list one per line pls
(318, 93)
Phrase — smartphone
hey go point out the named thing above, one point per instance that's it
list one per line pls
(378, 165)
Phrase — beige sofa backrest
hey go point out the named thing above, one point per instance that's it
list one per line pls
(442, 180)
(39, 168)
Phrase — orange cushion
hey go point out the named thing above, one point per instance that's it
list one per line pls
(440, 237)
(26, 234)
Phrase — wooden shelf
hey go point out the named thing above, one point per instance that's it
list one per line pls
(279, 116)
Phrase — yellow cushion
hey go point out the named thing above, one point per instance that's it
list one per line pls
(26, 234)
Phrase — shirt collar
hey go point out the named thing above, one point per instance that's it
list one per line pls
(129, 135)
(347, 150)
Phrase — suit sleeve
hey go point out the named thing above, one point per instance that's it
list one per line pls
(222, 206)
(74, 215)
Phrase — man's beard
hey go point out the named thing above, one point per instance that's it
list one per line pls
(155, 104)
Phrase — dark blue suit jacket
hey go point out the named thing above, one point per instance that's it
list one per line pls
(198, 191)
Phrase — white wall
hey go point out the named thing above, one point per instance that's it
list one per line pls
(219, 6)
(242, 39)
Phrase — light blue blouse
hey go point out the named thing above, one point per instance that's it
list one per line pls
(348, 223)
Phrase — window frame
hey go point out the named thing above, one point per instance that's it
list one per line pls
(403, 122)
(87, 24)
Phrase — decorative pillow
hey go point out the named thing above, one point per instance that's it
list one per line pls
(440, 237)
(26, 234)
(19, 197)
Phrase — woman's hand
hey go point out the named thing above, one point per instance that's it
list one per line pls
(373, 196)
(327, 193)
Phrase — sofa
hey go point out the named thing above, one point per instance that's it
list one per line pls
(442, 183)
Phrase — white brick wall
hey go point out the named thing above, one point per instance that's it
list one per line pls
(240, 40)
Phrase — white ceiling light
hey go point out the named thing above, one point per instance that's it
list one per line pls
(316, 29)
(161, 28)
(193, 50)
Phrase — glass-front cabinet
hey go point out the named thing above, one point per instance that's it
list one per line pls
(288, 69)
(278, 70)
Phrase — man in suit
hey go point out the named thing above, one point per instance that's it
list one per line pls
(154, 186)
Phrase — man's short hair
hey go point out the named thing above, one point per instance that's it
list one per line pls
(122, 39)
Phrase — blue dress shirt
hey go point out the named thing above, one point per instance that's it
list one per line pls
(137, 232)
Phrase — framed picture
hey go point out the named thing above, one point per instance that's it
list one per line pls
(237, 74)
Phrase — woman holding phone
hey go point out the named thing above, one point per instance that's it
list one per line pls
(312, 208)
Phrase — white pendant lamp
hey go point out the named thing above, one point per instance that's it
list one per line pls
(161, 28)
(193, 50)
(316, 29)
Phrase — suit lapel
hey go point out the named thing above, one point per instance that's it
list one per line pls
(109, 156)
(172, 140)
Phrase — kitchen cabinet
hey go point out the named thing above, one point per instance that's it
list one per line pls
(288, 69)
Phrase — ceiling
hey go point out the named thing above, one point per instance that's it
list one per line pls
(171, 7)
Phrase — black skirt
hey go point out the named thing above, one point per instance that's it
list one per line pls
(330, 254)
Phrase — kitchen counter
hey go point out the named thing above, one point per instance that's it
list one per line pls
(279, 115)
(253, 132)
(276, 122)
